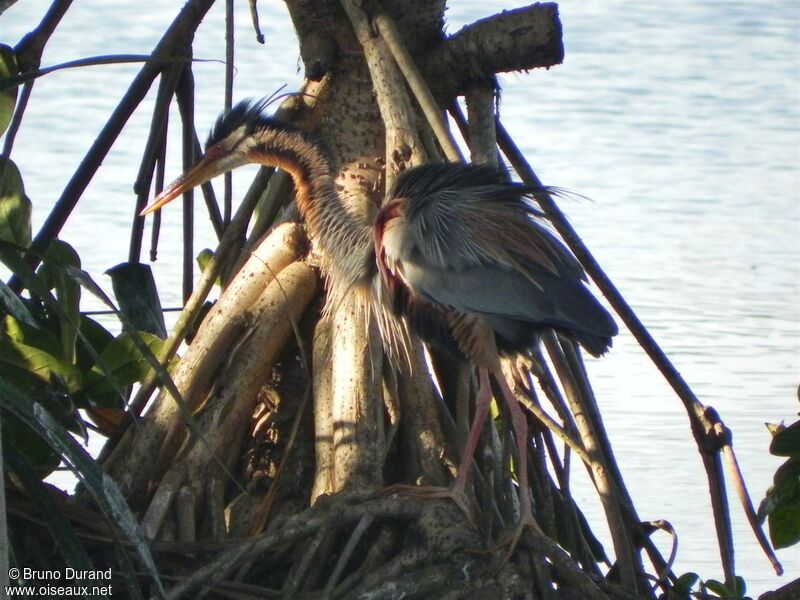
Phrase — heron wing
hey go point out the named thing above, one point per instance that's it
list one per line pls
(507, 297)
(472, 241)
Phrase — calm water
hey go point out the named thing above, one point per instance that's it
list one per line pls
(680, 121)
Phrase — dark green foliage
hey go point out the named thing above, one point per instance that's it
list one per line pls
(8, 96)
(781, 507)
(15, 206)
(59, 359)
(737, 590)
(135, 291)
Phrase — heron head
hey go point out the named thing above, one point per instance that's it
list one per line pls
(228, 146)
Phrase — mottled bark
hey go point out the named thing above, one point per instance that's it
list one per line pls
(162, 432)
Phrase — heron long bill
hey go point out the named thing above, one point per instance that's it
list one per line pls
(210, 166)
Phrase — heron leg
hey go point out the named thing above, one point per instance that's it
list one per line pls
(482, 403)
(520, 426)
(458, 492)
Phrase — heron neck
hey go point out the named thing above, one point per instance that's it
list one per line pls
(344, 240)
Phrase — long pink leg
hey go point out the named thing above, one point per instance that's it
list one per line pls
(458, 491)
(520, 426)
(482, 403)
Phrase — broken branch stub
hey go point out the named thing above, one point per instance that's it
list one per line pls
(514, 40)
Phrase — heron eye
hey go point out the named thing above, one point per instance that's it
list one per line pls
(213, 149)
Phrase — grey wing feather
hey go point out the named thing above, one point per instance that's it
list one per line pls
(500, 292)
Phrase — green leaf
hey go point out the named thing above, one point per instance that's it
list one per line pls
(87, 282)
(34, 359)
(28, 382)
(205, 258)
(127, 366)
(786, 442)
(152, 360)
(15, 207)
(783, 505)
(135, 291)
(719, 588)
(95, 335)
(740, 586)
(30, 358)
(786, 481)
(102, 488)
(784, 525)
(61, 255)
(8, 96)
(684, 585)
(34, 283)
(12, 305)
(32, 336)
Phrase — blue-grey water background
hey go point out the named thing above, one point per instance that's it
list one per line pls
(681, 122)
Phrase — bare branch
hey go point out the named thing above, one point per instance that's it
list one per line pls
(514, 40)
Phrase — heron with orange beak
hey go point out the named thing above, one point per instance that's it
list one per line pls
(461, 254)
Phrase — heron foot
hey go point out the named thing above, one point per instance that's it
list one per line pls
(511, 539)
(454, 493)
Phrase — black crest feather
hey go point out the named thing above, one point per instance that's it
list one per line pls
(248, 113)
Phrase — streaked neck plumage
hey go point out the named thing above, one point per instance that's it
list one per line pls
(344, 240)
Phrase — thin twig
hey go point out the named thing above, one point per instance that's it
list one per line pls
(190, 311)
(30, 48)
(418, 86)
(403, 144)
(299, 568)
(627, 559)
(262, 512)
(254, 18)
(376, 556)
(744, 496)
(155, 227)
(153, 150)
(568, 570)
(215, 499)
(663, 573)
(347, 553)
(227, 202)
(529, 401)
(186, 509)
(16, 120)
(186, 105)
(161, 503)
(482, 132)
